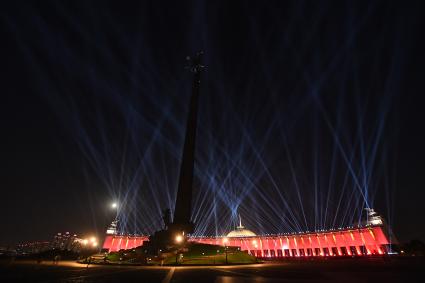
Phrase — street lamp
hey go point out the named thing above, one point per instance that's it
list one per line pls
(179, 239)
(225, 241)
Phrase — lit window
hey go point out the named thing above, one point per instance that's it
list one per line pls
(353, 250)
(279, 253)
(325, 251)
(309, 252)
(363, 250)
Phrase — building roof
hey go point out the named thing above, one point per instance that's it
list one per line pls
(241, 231)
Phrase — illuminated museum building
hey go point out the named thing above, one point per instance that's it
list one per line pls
(370, 238)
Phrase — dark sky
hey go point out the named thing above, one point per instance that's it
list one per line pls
(310, 111)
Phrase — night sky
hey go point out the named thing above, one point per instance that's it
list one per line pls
(310, 111)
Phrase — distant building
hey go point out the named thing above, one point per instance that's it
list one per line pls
(32, 247)
(64, 241)
(372, 237)
(7, 251)
(67, 241)
(112, 229)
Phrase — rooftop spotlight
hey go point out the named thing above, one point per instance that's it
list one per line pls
(114, 205)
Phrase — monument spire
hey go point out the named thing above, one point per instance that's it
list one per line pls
(240, 222)
(183, 206)
(175, 232)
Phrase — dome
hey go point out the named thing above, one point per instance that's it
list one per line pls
(241, 232)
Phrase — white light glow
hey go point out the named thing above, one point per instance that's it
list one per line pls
(179, 238)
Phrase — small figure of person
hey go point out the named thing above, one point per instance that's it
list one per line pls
(88, 261)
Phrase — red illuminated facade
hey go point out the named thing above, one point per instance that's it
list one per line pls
(115, 243)
(370, 240)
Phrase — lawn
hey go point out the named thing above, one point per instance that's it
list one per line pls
(195, 254)
(211, 254)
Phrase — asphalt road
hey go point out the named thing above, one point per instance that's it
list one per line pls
(347, 270)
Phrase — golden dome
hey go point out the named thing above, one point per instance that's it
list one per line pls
(241, 231)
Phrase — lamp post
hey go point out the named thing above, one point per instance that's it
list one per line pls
(178, 240)
(225, 241)
(218, 251)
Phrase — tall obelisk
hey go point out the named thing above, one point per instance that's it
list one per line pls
(174, 234)
(183, 206)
